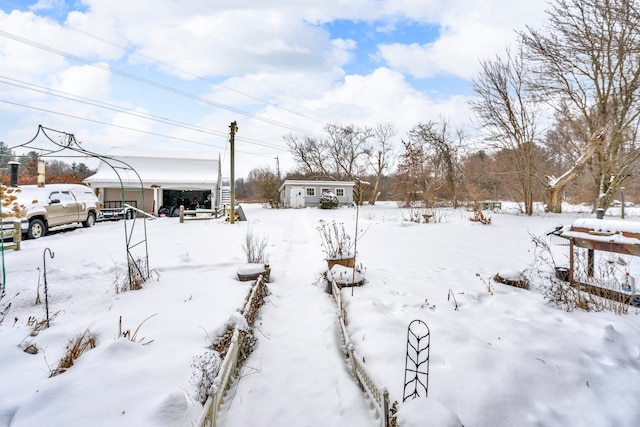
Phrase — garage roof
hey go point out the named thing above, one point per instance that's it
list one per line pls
(168, 169)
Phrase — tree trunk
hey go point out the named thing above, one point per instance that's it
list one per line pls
(374, 196)
(555, 186)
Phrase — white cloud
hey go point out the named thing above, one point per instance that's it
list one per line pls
(83, 80)
(275, 52)
(47, 5)
(470, 31)
(456, 52)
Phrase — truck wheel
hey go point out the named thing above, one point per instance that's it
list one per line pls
(36, 229)
(91, 220)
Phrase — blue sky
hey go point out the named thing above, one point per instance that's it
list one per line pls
(276, 68)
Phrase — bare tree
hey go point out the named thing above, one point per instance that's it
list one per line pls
(414, 179)
(263, 183)
(381, 155)
(342, 154)
(442, 152)
(587, 62)
(309, 155)
(508, 115)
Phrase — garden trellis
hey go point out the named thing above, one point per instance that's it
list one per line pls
(136, 248)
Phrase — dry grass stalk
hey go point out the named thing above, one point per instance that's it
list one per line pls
(136, 276)
(335, 240)
(487, 283)
(134, 337)
(76, 347)
(4, 311)
(255, 247)
(590, 291)
(478, 216)
(38, 325)
(38, 301)
(31, 349)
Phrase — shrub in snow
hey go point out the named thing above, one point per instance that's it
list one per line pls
(336, 243)
(136, 275)
(205, 371)
(478, 216)
(255, 247)
(328, 200)
(422, 215)
(591, 291)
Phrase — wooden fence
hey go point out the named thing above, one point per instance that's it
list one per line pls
(231, 362)
(11, 230)
(198, 214)
(378, 395)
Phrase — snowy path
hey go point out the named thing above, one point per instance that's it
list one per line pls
(298, 359)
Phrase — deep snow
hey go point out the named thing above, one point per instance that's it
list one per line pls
(501, 359)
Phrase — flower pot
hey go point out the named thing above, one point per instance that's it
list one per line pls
(347, 261)
(250, 272)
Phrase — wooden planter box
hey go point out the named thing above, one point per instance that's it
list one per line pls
(251, 272)
(345, 261)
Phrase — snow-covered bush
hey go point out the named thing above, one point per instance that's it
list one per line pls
(328, 200)
(205, 371)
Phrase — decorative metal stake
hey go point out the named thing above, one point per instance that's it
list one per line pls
(416, 365)
(46, 289)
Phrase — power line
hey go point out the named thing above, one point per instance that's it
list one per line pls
(123, 127)
(196, 76)
(147, 81)
(181, 70)
(113, 107)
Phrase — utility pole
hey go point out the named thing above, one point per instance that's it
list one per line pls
(278, 168)
(232, 214)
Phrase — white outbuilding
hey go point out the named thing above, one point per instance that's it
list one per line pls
(150, 179)
(306, 193)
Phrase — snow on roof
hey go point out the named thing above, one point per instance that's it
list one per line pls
(167, 169)
(308, 182)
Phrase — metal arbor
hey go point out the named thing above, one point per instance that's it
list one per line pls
(135, 236)
(416, 365)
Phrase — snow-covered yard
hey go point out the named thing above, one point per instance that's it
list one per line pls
(504, 358)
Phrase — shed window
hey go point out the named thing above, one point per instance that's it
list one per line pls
(325, 190)
(340, 192)
(311, 191)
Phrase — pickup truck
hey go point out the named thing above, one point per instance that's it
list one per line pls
(54, 205)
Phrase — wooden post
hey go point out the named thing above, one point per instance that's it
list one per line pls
(234, 128)
(571, 259)
(17, 235)
(181, 214)
(590, 262)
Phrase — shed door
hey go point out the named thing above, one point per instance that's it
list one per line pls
(296, 197)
